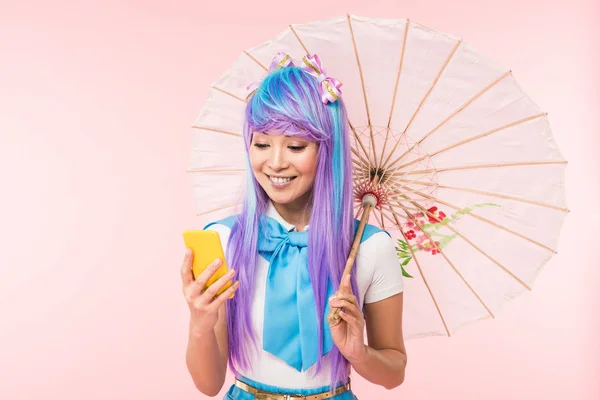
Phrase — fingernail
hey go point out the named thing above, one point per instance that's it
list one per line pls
(188, 252)
(332, 298)
(217, 262)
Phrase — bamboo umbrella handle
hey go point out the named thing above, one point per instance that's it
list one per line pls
(334, 313)
(369, 201)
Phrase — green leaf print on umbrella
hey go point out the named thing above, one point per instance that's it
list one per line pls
(418, 240)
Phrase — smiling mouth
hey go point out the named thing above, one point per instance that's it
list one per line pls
(280, 179)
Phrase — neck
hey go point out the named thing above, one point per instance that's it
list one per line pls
(296, 213)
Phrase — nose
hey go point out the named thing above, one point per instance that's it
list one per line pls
(277, 159)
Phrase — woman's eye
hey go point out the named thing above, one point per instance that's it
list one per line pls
(261, 145)
(296, 148)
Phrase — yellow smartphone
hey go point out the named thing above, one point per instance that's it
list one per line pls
(206, 247)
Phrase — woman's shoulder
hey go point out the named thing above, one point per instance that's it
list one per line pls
(374, 242)
(373, 236)
(378, 264)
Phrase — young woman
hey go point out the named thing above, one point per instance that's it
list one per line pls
(288, 248)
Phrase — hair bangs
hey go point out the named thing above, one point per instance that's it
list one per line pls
(288, 101)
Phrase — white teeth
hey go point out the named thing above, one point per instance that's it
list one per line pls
(279, 180)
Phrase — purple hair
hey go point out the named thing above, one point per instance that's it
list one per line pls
(288, 100)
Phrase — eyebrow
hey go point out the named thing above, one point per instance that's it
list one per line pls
(287, 136)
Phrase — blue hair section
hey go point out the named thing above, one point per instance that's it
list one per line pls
(337, 160)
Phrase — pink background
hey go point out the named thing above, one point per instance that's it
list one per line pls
(96, 104)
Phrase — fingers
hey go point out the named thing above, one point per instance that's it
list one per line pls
(346, 286)
(348, 306)
(347, 297)
(345, 292)
(223, 297)
(350, 313)
(350, 319)
(186, 268)
(212, 290)
(345, 300)
(202, 279)
(355, 324)
(192, 288)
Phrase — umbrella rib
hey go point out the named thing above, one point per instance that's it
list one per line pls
(435, 81)
(422, 209)
(478, 166)
(356, 178)
(445, 257)
(361, 183)
(299, 40)
(414, 257)
(392, 185)
(363, 166)
(360, 174)
(216, 170)
(394, 96)
(255, 60)
(455, 113)
(486, 220)
(380, 218)
(360, 143)
(362, 81)
(400, 187)
(357, 154)
(412, 209)
(396, 216)
(492, 194)
(359, 179)
(216, 130)
(230, 94)
(218, 209)
(360, 212)
(471, 139)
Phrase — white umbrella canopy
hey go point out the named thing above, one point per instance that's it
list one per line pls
(470, 180)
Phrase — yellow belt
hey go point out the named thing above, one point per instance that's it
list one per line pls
(264, 395)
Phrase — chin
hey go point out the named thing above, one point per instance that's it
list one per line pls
(280, 199)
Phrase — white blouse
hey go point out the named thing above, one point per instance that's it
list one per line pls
(379, 276)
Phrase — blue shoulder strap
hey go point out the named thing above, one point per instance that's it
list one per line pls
(369, 230)
(228, 222)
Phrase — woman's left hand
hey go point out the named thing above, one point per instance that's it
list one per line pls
(348, 334)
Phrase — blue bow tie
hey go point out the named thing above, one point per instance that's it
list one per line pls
(290, 317)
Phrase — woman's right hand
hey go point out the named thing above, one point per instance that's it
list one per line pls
(203, 305)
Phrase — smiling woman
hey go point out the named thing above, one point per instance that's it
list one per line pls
(273, 332)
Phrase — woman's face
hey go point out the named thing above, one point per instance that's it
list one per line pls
(285, 167)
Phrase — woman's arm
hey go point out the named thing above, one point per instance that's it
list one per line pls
(384, 359)
(206, 356)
